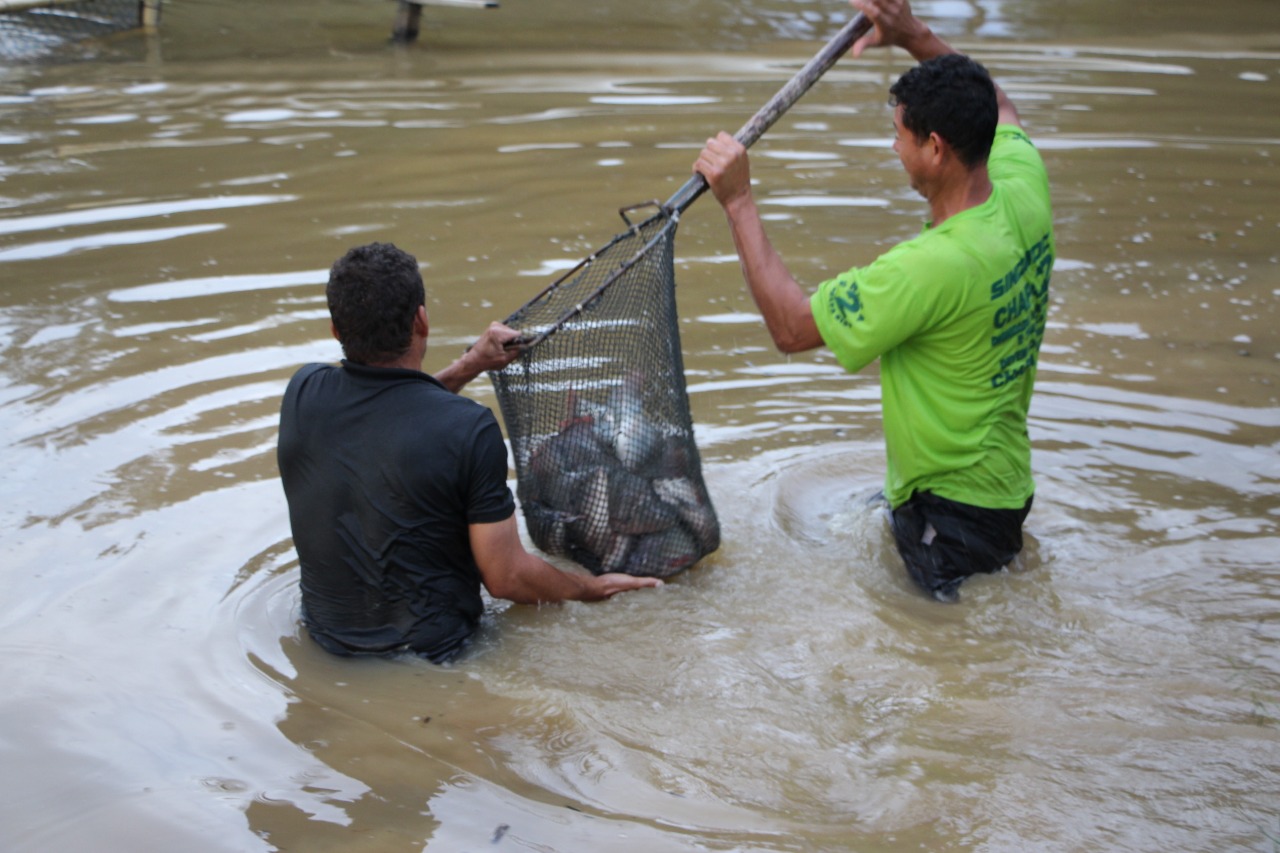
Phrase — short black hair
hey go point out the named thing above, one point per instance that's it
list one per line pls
(954, 97)
(374, 292)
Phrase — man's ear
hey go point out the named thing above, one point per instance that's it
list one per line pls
(421, 323)
(334, 329)
(940, 148)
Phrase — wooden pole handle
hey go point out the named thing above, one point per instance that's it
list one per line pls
(782, 101)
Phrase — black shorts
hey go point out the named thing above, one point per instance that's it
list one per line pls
(944, 541)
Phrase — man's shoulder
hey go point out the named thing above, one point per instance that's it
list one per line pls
(1015, 157)
(308, 369)
(924, 257)
(460, 408)
(300, 377)
(446, 413)
(1012, 134)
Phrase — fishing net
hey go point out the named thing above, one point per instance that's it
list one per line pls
(34, 28)
(597, 412)
(596, 407)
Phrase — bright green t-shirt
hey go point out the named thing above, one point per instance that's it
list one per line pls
(956, 316)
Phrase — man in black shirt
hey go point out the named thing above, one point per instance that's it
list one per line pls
(396, 485)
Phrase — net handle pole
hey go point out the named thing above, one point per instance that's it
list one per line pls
(780, 103)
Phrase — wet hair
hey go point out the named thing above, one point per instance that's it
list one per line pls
(952, 96)
(374, 292)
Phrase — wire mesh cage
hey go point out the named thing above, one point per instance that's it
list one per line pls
(597, 411)
(34, 28)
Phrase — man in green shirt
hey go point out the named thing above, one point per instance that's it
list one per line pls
(956, 315)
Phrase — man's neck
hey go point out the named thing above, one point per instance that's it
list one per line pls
(411, 360)
(405, 363)
(969, 188)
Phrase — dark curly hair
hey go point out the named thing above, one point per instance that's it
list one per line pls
(952, 96)
(374, 292)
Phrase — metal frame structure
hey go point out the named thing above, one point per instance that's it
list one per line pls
(409, 15)
(148, 10)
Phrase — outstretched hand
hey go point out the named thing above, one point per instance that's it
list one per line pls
(611, 583)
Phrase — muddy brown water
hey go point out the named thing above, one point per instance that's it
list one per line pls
(168, 208)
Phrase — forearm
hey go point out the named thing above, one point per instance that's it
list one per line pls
(535, 581)
(782, 302)
(922, 43)
(496, 348)
(456, 376)
(509, 571)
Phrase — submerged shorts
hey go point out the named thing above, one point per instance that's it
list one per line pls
(944, 541)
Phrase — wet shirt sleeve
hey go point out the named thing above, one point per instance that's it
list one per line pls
(488, 497)
(867, 311)
(1014, 158)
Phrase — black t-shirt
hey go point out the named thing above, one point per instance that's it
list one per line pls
(383, 470)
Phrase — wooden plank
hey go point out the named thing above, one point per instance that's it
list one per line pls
(24, 5)
(465, 4)
(148, 10)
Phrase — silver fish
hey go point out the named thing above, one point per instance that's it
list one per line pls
(576, 448)
(694, 506)
(627, 428)
(560, 467)
(673, 458)
(634, 506)
(606, 549)
(611, 490)
(561, 464)
(548, 527)
(661, 555)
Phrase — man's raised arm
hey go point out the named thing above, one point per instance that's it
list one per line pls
(897, 26)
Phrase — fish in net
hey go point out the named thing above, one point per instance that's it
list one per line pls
(596, 406)
(596, 409)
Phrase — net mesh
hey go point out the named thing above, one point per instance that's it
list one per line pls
(596, 408)
(35, 29)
